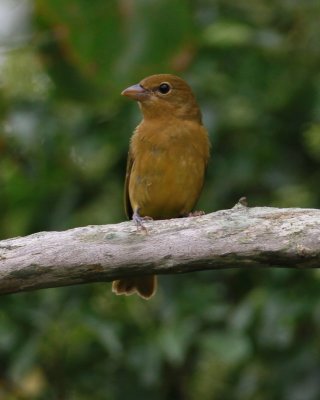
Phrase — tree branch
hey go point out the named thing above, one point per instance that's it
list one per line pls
(235, 238)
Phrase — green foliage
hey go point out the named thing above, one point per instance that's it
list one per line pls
(254, 66)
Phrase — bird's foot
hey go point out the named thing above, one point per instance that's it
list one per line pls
(140, 220)
(196, 214)
(242, 202)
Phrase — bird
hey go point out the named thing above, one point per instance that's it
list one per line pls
(167, 160)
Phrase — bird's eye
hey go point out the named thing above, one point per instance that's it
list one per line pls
(164, 88)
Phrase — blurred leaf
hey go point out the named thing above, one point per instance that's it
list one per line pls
(312, 140)
(227, 347)
(228, 33)
(174, 340)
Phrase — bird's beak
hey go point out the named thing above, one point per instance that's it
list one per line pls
(135, 92)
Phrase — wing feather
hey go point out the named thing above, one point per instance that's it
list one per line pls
(127, 203)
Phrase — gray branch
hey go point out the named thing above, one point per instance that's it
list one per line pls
(235, 238)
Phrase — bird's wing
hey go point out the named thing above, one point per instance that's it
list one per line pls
(127, 204)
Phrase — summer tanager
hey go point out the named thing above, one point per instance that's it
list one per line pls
(167, 159)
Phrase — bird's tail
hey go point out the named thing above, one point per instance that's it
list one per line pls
(145, 286)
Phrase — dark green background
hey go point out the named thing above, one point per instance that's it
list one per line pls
(221, 335)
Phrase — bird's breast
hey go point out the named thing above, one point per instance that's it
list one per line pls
(167, 172)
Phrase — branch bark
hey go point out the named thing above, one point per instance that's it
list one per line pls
(235, 238)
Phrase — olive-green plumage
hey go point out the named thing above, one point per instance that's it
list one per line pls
(167, 159)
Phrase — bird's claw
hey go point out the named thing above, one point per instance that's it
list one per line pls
(196, 213)
(139, 221)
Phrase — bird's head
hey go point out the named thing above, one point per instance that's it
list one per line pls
(164, 96)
